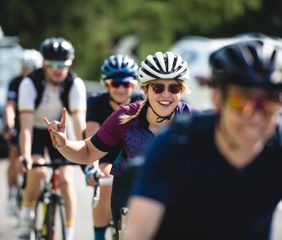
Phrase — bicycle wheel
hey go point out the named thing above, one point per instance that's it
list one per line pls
(49, 222)
(55, 219)
(110, 233)
(40, 229)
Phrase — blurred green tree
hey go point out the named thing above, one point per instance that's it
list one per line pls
(94, 27)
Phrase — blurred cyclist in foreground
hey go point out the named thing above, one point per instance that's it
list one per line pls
(118, 75)
(31, 60)
(231, 161)
(44, 92)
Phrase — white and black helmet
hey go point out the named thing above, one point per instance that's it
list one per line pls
(163, 66)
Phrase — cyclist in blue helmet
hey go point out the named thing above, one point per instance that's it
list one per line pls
(118, 75)
(230, 175)
(163, 78)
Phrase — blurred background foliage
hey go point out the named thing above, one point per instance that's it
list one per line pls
(95, 26)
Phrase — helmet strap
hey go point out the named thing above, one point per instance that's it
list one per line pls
(159, 117)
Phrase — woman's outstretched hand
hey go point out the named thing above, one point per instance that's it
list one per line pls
(57, 130)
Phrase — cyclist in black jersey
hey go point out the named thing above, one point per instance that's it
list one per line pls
(118, 75)
(30, 60)
(218, 176)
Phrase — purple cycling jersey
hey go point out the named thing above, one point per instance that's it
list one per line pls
(133, 135)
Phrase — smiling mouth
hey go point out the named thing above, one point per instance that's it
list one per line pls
(165, 103)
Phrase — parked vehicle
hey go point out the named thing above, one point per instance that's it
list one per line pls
(196, 50)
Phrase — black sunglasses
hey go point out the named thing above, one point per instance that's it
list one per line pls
(118, 84)
(159, 88)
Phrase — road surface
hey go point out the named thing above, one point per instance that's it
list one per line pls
(83, 230)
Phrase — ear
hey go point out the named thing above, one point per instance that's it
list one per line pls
(145, 90)
(216, 98)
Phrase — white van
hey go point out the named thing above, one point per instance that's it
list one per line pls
(196, 51)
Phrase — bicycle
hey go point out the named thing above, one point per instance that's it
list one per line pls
(111, 233)
(49, 221)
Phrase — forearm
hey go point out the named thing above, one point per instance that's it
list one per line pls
(79, 124)
(79, 152)
(9, 115)
(25, 140)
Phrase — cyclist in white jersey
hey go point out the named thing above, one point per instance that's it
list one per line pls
(30, 60)
(44, 92)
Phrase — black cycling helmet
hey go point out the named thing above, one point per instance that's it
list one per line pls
(58, 49)
(118, 67)
(253, 63)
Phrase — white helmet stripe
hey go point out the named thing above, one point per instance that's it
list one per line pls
(160, 58)
(170, 60)
(150, 59)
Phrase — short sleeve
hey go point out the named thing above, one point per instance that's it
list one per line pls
(110, 133)
(27, 95)
(77, 96)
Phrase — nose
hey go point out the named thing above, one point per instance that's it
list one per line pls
(254, 108)
(166, 92)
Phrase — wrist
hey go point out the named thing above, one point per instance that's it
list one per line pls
(61, 147)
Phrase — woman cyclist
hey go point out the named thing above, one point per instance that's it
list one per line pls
(118, 75)
(162, 77)
(231, 166)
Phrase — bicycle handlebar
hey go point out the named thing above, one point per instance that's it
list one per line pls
(54, 165)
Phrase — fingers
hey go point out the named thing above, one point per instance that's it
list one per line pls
(55, 124)
(46, 121)
(63, 119)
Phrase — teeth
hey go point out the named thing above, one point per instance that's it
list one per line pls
(165, 102)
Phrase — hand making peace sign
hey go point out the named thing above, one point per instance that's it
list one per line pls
(57, 130)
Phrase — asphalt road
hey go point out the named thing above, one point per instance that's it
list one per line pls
(83, 228)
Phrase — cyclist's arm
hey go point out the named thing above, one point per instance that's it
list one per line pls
(78, 119)
(27, 95)
(144, 218)
(77, 102)
(9, 114)
(82, 152)
(91, 128)
(26, 132)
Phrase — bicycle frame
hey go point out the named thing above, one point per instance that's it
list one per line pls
(48, 202)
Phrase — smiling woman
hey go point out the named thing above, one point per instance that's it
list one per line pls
(133, 126)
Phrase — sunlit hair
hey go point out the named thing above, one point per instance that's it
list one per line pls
(124, 118)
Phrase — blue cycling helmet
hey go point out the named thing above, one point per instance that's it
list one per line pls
(119, 67)
(57, 49)
(253, 63)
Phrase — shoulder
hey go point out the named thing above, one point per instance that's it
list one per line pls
(78, 82)
(185, 107)
(130, 109)
(196, 126)
(27, 83)
(98, 97)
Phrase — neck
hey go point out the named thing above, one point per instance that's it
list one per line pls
(154, 124)
(114, 104)
(235, 153)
